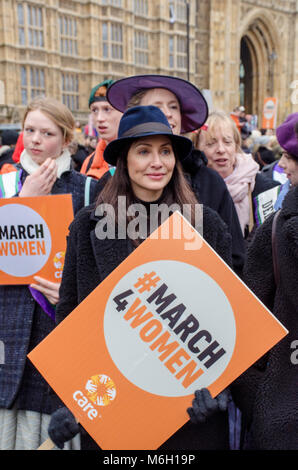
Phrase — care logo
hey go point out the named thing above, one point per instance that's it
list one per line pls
(101, 390)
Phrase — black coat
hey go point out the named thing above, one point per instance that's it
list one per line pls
(90, 260)
(262, 183)
(6, 154)
(268, 392)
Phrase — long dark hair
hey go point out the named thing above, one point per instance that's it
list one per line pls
(177, 191)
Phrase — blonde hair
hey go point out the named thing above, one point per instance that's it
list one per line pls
(56, 112)
(217, 119)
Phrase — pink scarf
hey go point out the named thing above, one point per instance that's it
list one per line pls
(240, 183)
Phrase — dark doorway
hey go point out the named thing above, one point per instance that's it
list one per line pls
(246, 77)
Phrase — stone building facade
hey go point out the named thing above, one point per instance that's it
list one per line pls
(240, 50)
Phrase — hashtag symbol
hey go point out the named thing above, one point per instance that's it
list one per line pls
(147, 282)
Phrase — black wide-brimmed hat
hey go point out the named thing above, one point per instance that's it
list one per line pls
(143, 121)
(193, 106)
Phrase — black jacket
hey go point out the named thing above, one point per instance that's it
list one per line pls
(80, 155)
(267, 393)
(263, 184)
(6, 154)
(90, 260)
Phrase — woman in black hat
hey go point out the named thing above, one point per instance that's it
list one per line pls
(186, 110)
(148, 171)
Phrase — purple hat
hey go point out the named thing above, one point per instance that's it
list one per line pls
(194, 108)
(286, 135)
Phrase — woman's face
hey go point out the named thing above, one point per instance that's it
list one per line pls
(42, 137)
(168, 103)
(219, 147)
(290, 167)
(105, 119)
(150, 165)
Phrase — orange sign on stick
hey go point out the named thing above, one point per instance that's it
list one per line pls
(171, 319)
(269, 113)
(33, 237)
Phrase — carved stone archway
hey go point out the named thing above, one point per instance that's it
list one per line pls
(260, 57)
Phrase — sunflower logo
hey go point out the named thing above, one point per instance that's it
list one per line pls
(59, 260)
(101, 390)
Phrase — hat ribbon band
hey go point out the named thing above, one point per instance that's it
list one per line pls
(146, 128)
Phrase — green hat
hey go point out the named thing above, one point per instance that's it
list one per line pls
(98, 93)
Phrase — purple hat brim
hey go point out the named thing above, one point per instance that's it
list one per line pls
(194, 108)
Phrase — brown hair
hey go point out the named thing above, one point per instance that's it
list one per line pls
(178, 191)
(57, 112)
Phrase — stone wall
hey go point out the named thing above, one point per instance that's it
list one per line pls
(216, 28)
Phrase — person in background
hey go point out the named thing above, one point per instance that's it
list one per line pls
(186, 110)
(267, 392)
(80, 152)
(289, 159)
(78, 128)
(8, 142)
(238, 116)
(106, 120)
(263, 154)
(147, 156)
(221, 143)
(27, 313)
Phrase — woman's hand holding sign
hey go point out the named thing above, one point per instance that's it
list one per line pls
(49, 289)
(63, 427)
(204, 406)
(40, 182)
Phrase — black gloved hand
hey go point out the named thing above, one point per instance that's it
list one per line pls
(204, 406)
(62, 427)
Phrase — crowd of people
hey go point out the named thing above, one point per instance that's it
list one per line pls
(152, 139)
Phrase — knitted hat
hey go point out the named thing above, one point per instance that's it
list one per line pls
(286, 135)
(144, 121)
(193, 106)
(98, 93)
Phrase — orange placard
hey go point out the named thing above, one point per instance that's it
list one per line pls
(33, 237)
(170, 319)
(269, 113)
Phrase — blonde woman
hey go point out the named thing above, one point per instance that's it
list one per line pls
(220, 141)
(26, 312)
